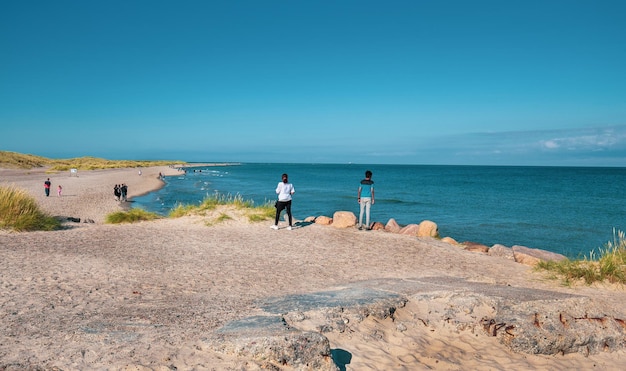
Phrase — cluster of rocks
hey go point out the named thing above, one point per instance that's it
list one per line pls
(429, 229)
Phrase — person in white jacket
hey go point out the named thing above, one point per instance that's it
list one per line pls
(284, 190)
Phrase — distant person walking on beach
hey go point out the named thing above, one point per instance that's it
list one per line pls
(116, 192)
(46, 186)
(59, 190)
(123, 191)
(366, 199)
(284, 190)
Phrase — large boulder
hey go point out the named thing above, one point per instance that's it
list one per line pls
(323, 220)
(392, 226)
(344, 219)
(527, 256)
(428, 229)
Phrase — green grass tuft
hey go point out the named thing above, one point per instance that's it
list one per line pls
(131, 216)
(19, 212)
(262, 212)
(608, 266)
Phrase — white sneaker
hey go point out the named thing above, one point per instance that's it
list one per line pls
(274, 227)
(289, 228)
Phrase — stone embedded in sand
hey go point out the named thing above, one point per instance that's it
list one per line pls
(502, 252)
(323, 220)
(428, 228)
(344, 219)
(392, 226)
(532, 257)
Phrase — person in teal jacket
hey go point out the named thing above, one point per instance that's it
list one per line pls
(366, 199)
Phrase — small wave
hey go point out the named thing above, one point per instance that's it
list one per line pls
(396, 201)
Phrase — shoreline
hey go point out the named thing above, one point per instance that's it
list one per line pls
(89, 195)
(167, 293)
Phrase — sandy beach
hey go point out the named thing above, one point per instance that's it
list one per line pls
(162, 295)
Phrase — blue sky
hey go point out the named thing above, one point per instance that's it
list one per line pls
(397, 82)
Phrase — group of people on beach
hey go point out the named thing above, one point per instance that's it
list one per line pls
(284, 190)
(365, 198)
(120, 191)
(48, 184)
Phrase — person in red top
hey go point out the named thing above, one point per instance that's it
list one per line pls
(46, 186)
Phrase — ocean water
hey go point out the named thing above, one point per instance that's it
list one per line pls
(569, 210)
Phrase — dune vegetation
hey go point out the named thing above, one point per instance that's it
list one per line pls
(254, 213)
(14, 160)
(131, 216)
(215, 209)
(20, 212)
(608, 265)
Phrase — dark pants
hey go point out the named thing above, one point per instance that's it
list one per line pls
(279, 208)
(47, 191)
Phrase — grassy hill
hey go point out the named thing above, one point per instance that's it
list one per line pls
(14, 160)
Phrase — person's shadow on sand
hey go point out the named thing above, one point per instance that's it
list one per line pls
(341, 358)
(302, 224)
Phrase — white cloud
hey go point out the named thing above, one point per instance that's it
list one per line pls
(550, 144)
(589, 139)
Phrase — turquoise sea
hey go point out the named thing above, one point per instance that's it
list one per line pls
(569, 210)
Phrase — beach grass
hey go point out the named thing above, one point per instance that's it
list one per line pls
(19, 212)
(131, 216)
(609, 265)
(14, 160)
(254, 213)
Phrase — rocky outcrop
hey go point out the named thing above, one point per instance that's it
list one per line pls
(532, 257)
(574, 325)
(344, 219)
(269, 341)
(290, 330)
